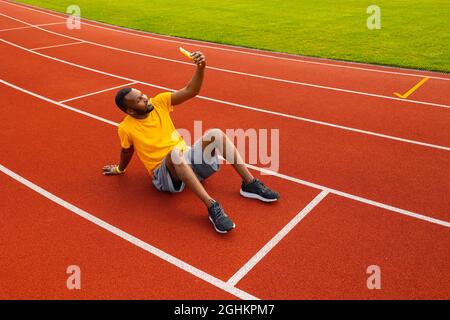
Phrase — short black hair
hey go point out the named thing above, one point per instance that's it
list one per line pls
(120, 98)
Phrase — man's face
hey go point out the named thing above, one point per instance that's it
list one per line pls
(137, 103)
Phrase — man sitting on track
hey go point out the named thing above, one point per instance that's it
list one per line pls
(149, 130)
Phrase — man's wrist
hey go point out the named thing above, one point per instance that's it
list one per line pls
(118, 169)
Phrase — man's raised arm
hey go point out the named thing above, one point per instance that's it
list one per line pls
(193, 87)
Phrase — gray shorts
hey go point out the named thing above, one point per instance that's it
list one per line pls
(202, 167)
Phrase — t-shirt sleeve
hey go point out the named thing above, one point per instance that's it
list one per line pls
(164, 101)
(125, 139)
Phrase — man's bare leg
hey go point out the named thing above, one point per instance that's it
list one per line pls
(180, 170)
(251, 187)
(216, 138)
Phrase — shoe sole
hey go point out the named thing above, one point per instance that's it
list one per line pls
(255, 196)
(221, 231)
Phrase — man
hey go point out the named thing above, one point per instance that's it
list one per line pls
(148, 130)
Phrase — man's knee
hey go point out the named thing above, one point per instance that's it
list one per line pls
(215, 136)
(177, 158)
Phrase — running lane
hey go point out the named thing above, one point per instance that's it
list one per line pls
(281, 71)
(328, 254)
(6, 23)
(397, 118)
(18, 10)
(55, 80)
(33, 38)
(40, 239)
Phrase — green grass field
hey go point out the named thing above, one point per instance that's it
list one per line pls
(413, 34)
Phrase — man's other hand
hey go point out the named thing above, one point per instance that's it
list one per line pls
(111, 170)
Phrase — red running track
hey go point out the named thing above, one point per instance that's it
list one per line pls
(386, 168)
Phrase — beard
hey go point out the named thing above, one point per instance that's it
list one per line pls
(148, 109)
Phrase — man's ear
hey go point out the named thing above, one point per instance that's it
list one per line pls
(131, 111)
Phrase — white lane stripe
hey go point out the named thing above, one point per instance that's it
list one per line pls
(97, 92)
(238, 105)
(244, 73)
(57, 45)
(87, 114)
(131, 239)
(265, 54)
(371, 133)
(246, 268)
(353, 197)
(262, 170)
(31, 26)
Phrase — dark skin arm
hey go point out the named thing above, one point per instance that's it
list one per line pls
(125, 158)
(194, 86)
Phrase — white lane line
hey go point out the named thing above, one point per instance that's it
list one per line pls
(97, 92)
(323, 123)
(131, 239)
(353, 197)
(58, 45)
(424, 144)
(265, 54)
(262, 170)
(31, 26)
(87, 114)
(246, 268)
(244, 73)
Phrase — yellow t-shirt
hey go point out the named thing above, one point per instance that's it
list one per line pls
(153, 137)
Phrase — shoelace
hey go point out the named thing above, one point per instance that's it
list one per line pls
(217, 213)
(262, 186)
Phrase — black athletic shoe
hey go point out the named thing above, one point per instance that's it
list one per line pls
(257, 190)
(219, 218)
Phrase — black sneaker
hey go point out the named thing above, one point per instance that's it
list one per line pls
(219, 218)
(257, 190)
